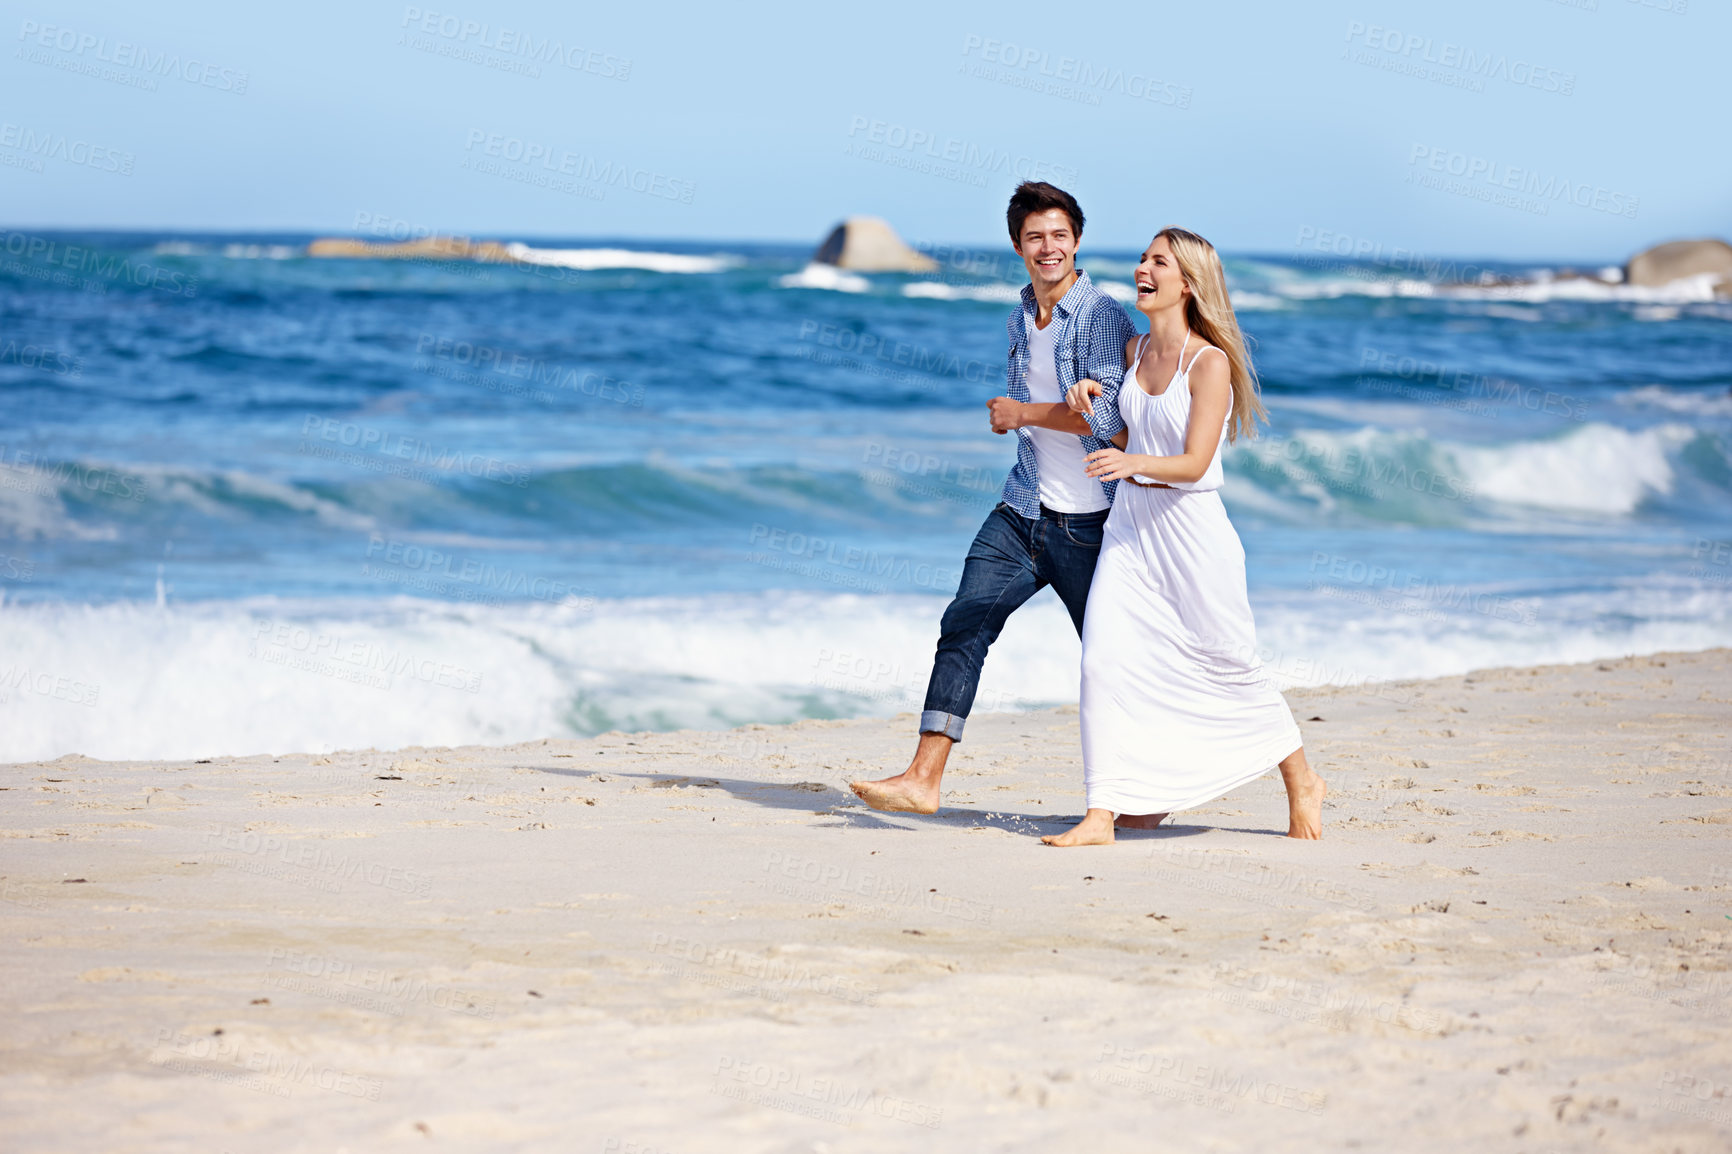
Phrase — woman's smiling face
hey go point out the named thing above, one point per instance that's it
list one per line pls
(1160, 284)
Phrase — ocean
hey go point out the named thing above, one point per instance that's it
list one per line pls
(252, 501)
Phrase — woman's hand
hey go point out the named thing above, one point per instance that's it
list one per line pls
(1114, 464)
(1081, 396)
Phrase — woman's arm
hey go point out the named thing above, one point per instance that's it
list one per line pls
(1211, 397)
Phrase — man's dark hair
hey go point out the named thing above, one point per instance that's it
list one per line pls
(1033, 196)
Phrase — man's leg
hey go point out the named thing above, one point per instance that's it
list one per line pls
(998, 576)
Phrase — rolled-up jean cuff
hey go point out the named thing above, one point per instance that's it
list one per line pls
(938, 721)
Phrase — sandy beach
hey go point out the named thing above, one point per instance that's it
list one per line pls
(1514, 936)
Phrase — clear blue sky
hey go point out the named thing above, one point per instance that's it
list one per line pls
(1268, 119)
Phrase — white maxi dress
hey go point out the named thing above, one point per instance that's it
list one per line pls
(1176, 707)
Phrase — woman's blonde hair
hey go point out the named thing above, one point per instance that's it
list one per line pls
(1210, 315)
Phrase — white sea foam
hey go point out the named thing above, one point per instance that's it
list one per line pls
(825, 276)
(1247, 301)
(938, 291)
(137, 681)
(1694, 404)
(1543, 288)
(1593, 469)
(590, 259)
(262, 251)
(1689, 290)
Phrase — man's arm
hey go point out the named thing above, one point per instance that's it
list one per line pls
(1007, 414)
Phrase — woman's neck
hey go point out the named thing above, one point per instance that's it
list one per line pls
(1167, 330)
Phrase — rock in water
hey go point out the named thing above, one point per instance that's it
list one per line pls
(426, 248)
(1666, 263)
(868, 244)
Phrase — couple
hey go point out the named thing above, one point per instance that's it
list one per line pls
(1114, 502)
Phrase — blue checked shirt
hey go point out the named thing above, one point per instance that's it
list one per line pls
(1090, 342)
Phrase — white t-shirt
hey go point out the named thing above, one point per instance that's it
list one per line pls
(1064, 486)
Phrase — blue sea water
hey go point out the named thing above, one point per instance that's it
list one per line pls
(252, 500)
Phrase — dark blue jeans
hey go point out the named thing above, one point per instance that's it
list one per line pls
(1011, 560)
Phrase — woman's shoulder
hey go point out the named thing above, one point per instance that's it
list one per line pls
(1209, 371)
(1131, 349)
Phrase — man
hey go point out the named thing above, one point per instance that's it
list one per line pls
(1046, 530)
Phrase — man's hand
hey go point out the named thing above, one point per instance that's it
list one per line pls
(1081, 396)
(1006, 414)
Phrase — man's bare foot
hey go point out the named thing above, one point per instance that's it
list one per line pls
(915, 789)
(1305, 794)
(1140, 820)
(900, 794)
(1096, 828)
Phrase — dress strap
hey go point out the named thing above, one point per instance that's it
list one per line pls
(1180, 362)
(1200, 352)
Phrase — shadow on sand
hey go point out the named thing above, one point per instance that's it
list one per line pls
(823, 800)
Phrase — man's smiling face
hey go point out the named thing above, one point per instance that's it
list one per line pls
(1048, 247)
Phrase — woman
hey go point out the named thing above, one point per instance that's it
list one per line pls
(1176, 708)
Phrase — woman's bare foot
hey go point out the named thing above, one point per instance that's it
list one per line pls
(915, 789)
(903, 793)
(1140, 820)
(1305, 794)
(1096, 828)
